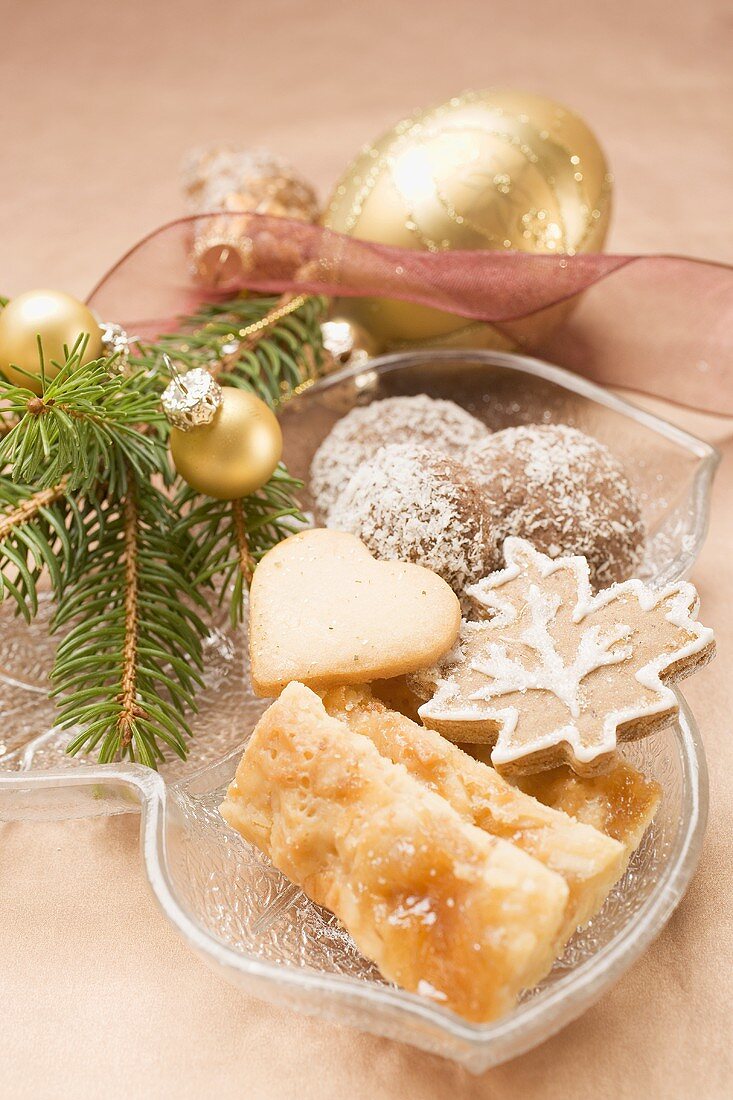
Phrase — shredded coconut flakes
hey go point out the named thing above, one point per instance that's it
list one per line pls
(421, 420)
(413, 504)
(564, 492)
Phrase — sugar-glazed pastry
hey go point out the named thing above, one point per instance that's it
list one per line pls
(589, 861)
(444, 909)
(621, 803)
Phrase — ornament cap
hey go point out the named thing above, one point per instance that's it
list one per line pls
(116, 342)
(190, 399)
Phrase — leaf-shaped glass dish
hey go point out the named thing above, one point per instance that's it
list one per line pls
(231, 905)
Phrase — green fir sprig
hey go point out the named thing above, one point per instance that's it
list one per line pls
(242, 345)
(40, 533)
(128, 667)
(227, 538)
(86, 424)
(88, 498)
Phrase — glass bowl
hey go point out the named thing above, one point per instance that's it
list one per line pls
(231, 905)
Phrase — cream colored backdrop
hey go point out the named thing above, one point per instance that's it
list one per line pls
(98, 997)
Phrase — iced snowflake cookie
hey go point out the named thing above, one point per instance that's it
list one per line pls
(422, 420)
(566, 493)
(414, 504)
(324, 612)
(557, 674)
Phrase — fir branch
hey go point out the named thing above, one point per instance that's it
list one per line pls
(129, 710)
(128, 667)
(39, 530)
(227, 538)
(85, 425)
(88, 497)
(270, 346)
(250, 336)
(29, 508)
(241, 538)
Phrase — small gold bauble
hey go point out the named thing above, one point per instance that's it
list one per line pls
(347, 343)
(233, 455)
(58, 319)
(492, 170)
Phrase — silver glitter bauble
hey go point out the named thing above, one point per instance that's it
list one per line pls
(191, 399)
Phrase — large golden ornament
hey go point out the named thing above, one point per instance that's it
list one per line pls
(495, 170)
(234, 454)
(59, 320)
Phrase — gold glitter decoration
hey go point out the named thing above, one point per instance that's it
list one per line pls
(245, 339)
(116, 341)
(491, 169)
(239, 181)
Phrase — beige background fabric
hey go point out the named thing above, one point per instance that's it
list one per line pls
(98, 995)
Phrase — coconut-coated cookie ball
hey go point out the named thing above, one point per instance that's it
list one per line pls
(564, 492)
(414, 504)
(420, 420)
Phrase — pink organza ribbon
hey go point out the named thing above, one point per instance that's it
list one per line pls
(659, 324)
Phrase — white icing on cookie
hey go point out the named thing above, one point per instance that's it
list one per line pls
(511, 656)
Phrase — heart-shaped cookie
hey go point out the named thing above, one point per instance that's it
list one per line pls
(323, 611)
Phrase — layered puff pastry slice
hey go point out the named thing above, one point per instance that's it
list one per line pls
(589, 861)
(443, 908)
(620, 803)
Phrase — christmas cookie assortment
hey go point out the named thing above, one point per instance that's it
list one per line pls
(456, 657)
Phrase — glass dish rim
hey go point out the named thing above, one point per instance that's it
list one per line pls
(512, 1035)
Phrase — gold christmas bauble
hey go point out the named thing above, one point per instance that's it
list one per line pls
(233, 455)
(347, 343)
(493, 170)
(58, 319)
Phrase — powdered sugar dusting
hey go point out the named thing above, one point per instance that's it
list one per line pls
(566, 493)
(413, 504)
(356, 438)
